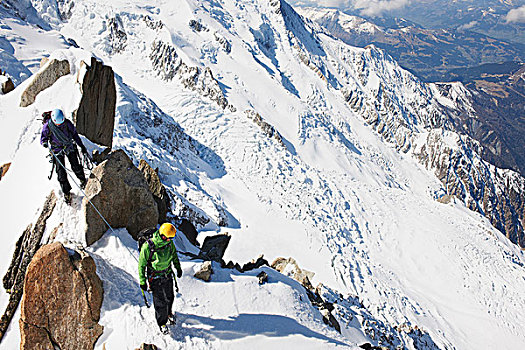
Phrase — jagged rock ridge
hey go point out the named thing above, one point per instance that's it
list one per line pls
(168, 65)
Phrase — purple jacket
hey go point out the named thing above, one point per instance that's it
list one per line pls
(67, 128)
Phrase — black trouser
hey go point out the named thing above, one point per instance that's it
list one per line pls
(62, 173)
(162, 290)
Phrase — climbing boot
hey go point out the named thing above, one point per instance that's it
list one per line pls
(67, 198)
(171, 319)
(164, 329)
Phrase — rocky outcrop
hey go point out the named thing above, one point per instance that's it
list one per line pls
(3, 169)
(157, 189)
(213, 247)
(7, 86)
(99, 157)
(121, 194)
(25, 249)
(265, 127)
(65, 9)
(350, 310)
(151, 23)
(197, 26)
(145, 346)
(204, 272)
(168, 65)
(225, 44)
(6, 83)
(95, 116)
(290, 268)
(263, 277)
(117, 36)
(62, 300)
(46, 77)
(164, 59)
(189, 230)
(497, 194)
(183, 208)
(252, 265)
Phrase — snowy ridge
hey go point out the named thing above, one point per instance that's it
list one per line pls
(337, 198)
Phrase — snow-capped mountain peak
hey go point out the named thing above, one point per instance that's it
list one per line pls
(264, 126)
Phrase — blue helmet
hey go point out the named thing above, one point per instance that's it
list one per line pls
(57, 116)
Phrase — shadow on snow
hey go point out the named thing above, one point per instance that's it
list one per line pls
(246, 325)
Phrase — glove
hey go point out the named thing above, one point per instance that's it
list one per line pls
(45, 144)
(144, 287)
(179, 273)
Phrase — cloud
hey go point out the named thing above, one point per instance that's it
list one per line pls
(376, 7)
(516, 15)
(468, 26)
(365, 7)
(341, 4)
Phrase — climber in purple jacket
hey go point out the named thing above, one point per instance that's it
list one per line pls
(58, 133)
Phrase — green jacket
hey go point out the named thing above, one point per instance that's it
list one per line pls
(161, 259)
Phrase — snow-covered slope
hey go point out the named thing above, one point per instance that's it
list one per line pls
(334, 193)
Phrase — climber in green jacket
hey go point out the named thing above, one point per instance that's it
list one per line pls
(157, 255)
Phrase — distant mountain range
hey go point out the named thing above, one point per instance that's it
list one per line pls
(489, 17)
(499, 101)
(497, 89)
(429, 53)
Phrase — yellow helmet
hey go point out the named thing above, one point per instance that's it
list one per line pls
(167, 230)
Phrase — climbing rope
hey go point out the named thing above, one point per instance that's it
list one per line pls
(69, 172)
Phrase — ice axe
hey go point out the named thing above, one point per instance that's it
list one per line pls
(145, 299)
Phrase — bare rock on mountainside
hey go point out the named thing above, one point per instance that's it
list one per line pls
(263, 277)
(121, 194)
(6, 82)
(496, 193)
(7, 86)
(291, 268)
(46, 77)
(168, 65)
(62, 300)
(25, 248)
(117, 36)
(157, 189)
(3, 169)
(268, 129)
(189, 230)
(204, 272)
(99, 157)
(145, 346)
(213, 247)
(95, 117)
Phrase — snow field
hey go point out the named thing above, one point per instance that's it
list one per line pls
(345, 204)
